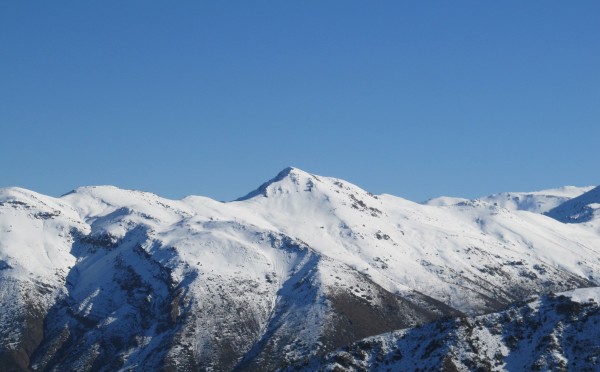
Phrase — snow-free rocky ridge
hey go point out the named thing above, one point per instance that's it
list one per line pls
(110, 279)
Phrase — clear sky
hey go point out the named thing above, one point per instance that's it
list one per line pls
(417, 99)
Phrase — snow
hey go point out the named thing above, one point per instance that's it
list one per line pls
(402, 245)
(583, 295)
(533, 201)
(444, 201)
(35, 234)
(582, 209)
(549, 333)
(279, 254)
(339, 220)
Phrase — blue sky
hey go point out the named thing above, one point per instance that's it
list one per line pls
(416, 99)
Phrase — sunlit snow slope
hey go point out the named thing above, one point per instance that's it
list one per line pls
(299, 267)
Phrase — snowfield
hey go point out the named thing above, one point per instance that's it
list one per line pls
(110, 279)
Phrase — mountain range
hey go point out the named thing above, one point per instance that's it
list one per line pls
(305, 272)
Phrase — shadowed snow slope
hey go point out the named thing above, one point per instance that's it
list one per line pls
(108, 279)
(583, 208)
(552, 333)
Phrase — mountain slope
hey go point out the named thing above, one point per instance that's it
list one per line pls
(35, 243)
(299, 267)
(449, 249)
(555, 332)
(583, 208)
(536, 202)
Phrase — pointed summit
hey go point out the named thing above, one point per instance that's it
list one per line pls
(289, 172)
(288, 180)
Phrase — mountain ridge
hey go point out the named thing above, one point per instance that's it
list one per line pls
(582, 208)
(303, 265)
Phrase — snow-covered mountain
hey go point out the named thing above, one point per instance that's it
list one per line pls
(536, 202)
(552, 333)
(110, 279)
(583, 208)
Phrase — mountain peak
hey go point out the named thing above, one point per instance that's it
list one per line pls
(287, 170)
(291, 176)
(293, 172)
(303, 247)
